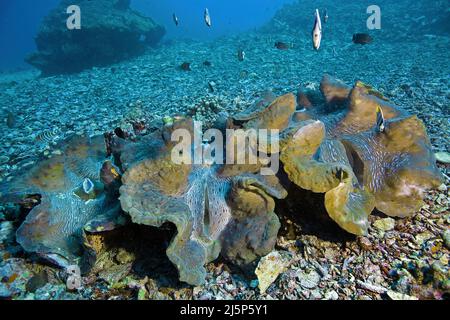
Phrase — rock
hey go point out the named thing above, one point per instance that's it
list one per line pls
(55, 292)
(446, 237)
(331, 295)
(115, 273)
(399, 296)
(315, 295)
(422, 237)
(254, 284)
(110, 32)
(14, 276)
(124, 257)
(37, 281)
(269, 268)
(442, 157)
(6, 231)
(385, 224)
(364, 243)
(308, 280)
(441, 273)
(4, 159)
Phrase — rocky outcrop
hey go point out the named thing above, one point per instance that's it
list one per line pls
(110, 32)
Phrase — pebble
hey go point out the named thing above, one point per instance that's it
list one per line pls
(422, 237)
(399, 296)
(124, 257)
(4, 159)
(331, 295)
(315, 295)
(443, 157)
(269, 268)
(365, 243)
(6, 231)
(254, 283)
(308, 280)
(385, 224)
(446, 237)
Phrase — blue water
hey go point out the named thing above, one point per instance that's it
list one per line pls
(20, 19)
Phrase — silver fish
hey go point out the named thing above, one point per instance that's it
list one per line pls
(241, 55)
(325, 17)
(88, 186)
(207, 18)
(317, 31)
(175, 19)
(381, 126)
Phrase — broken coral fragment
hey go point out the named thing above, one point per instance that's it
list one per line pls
(270, 267)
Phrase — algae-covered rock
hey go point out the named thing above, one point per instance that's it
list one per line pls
(386, 224)
(110, 31)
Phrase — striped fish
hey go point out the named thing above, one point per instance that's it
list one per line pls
(47, 136)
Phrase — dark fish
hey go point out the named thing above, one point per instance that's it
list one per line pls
(381, 126)
(139, 127)
(207, 18)
(10, 120)
(175, 19)
(317, 31)
(212, 86)
(362, 38)
(207, 63)
(120, 133)
(186, 66)
(241, 55)
(110, 176)
(281, 45)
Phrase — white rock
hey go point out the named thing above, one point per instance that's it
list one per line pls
(308, 280)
